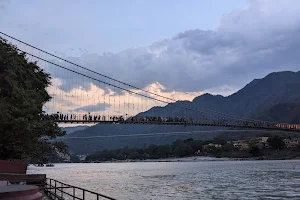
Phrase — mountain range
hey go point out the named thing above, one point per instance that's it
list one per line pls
(256, 98)
(275, 97)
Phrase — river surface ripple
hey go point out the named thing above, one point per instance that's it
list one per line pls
(183, 180)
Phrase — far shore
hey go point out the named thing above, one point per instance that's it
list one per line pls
(195, 159)
(187, 159)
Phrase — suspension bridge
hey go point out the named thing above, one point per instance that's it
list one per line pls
(81, 95)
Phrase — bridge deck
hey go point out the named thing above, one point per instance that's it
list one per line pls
(178, 123)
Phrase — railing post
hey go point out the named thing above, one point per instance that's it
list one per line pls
(50, 184)
(44, 182)
(46, 185)
(54, 187)
(73, 193)
(61, 185)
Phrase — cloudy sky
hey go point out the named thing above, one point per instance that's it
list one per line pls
(186, 47)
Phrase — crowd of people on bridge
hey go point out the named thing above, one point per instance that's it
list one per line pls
(98, 118)
(86, 117)
(60, 117)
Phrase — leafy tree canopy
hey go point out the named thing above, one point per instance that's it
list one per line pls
(25, 132)
(276, 142)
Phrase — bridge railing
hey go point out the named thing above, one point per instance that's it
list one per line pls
(92, 118)
(85, 117)
(57, 190)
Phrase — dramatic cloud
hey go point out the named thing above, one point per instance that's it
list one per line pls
(96, 100)
(248, 44)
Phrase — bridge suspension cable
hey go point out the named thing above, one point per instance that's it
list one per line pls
(202, 110)
(78, 89)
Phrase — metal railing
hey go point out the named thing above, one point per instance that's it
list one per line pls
(57, 190)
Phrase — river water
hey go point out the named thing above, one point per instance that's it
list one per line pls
(184, 180)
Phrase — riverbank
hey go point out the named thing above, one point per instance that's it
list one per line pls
(201, 159)
(258, 148)
(261, 154)
(184, 159)
(264, 154)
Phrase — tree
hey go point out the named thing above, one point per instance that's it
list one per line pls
(164, 151)
(182, 150)
(276, 142)
(134, 155)
(189, 140)
(196, 145)
(228, 147)
(25, 131)
(152, 151)
(254, 151)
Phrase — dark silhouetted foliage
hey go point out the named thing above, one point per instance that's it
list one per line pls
(25, 133)
(178, 148)
(276, 142)
(254, 151)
